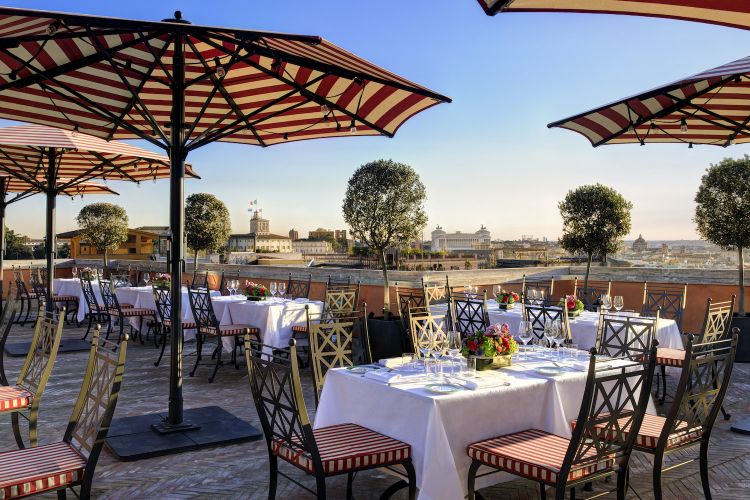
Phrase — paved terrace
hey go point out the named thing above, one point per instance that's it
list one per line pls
(241, 471)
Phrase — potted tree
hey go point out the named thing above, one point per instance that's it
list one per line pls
(207, 223)
(595, 219)
(383, 207)
(722, 216)
(104, 226)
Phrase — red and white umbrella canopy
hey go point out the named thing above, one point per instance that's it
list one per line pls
(111, 78)
(734, 13)
(22, 187)
(712, 107)
(24, 148)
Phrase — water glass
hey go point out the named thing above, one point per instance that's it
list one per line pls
(606, 302)
(146, 278)
(471, 366)
(618, 302)
(282, 289)
(272, 289)
(454, 343)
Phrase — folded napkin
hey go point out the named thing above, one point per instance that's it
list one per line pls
(394, 377)
(301, 300)
(482, 382)
(394, 362)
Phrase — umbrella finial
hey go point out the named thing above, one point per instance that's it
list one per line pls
(178, 15)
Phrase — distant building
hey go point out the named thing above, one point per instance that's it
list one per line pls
(258, 224)
(138, 246)
(312, 247)
(259, 239)
(640, 245)
(293, 234)
(161, 243)
(320, 233)
(458, 241)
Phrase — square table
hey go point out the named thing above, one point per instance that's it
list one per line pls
(72, 286)
(274, 317)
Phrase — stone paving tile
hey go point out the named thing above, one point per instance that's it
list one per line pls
(241, 471)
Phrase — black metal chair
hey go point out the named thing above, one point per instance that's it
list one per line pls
(71, 462)
(68, 303)
(208, 327)
(544, 287)
(97, 313)
(410, 301)
(225, 277)
(163, 328)
(626, 336)
(298, 286)
(324, 452)
(468, 312)
(669, 299)
(331, 344)
(200, 280)
(614, 401)
(11, 310)
(537, 316)
(116, 311)
(25, 295)
(336, 282)
(120, 279)
(591, 297)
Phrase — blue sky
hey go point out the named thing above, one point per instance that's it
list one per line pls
(488, 157)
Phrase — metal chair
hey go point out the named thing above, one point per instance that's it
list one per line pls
(670, 299)
(330, 347)
(626, 336)
(11, 310)
(543, 286)
(163, 328)
(23, 399)
(298, 286)
(334, 283)
(39, 285)
(323, 452)
(200, 280)
(25, 295)
(468, 313)
(592, 298)
(116, 311)
(614, 401)
(410, 302)
(97, 314)
(208, 326)
(537, 316)
(71, 462)
(120, 279)
(436, 294)
(428, 334)
(225, 277)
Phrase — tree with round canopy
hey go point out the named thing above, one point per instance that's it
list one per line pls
(104, 226)
(207, 223)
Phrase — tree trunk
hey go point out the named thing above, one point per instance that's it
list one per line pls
(104, 270)
(386, 287)
(195, 261)
(741, 267)
(586, 279)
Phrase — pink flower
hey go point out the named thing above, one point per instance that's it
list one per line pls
(505, 329)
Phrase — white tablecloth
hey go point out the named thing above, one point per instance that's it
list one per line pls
(583, 329)
(274, 317)
(72, 286)
(440, 427)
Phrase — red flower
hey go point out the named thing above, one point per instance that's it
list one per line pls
(473, 345)
(505, 299)
(515, 296)
(571, 302)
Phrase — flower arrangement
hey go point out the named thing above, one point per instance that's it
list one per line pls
(572, 304)
(162, 279)
(507, 300)
(255, 291)
(87, 273)
(495, 341)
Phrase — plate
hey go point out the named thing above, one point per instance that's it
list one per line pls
(605, 366)
(362, 368)
(444, 388)
(550, 370)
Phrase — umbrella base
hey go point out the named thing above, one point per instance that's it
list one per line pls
(742, 427)
(21, 349)
(135, 438)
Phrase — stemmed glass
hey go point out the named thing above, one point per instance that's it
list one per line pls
(282, 289)
(524, 333)
(272, 288)
(454, 349)
(532, 295)
(559, 338)
(541, 297)
(606, 302)
(618, 303)
(235, 286)
(74, 271)
(549, 333)
(146, 278)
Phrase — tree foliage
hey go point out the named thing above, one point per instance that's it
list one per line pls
(207, 222)
(383, 207)
(16, 246)
(103, 226)
(722, 210)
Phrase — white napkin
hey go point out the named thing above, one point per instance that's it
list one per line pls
(301, 300)
(483, 381)
(394, 362)
(394, 377)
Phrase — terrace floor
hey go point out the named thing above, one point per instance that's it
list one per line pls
(241, 471)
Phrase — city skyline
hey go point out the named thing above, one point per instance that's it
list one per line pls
(488, 157)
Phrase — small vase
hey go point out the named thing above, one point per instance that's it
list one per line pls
(507, 306)
(574, 314)
(255, 298)
(493, 363)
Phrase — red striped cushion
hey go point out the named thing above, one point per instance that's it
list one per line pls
(229, 330)
(64, 298)
(648, 435)
(186, 325)
(33, 470)
(125, 305)
(14, 398)
(133, 312)
(28, 295)
(670, 357)
(345, 447)
(533, 453)
(299, 329)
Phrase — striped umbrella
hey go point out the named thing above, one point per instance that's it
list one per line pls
(711, 107)
(724, 12)
(182, 86)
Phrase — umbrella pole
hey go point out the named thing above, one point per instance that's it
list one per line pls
(3, 203)
(51, 239)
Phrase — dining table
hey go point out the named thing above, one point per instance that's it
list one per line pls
(439, 426)
(583, 328)
(72, 286)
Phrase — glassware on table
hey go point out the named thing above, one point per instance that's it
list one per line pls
(548, 334)
(559, 338)
(606, 302)
(74, 271)
(471, 366)
(497, 289)
(146, 278)
(272, 289)
(541, 297)
(281, 287)
(618, 302)
(454, 343)
(531, 292)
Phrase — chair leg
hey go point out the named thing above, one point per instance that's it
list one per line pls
(349, 481)
(61, 494)
(663, 384)
(726, 415)
(320, 483)
(163, 344)
(28, 311)
(658, 461)
(622, 483)
(17, 430)
(274, 476)
(475, 464)
(219, 349)
(704, 469)
(88, 329)
(542, 491)
(198, 353)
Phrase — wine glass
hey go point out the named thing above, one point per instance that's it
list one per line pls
(548, 333)
(281, 288)
(454, 343)
(74, 271)
(146, 278)
(618, 302)
(525, 331)
(272, 288)
(606, 302)
(531, 292)
(541, 297)
(560, 337)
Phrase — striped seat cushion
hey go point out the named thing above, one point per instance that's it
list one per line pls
(229, 330)
(186, 325)
(299, 329)
(28, 295)
(34, 470)
(125, 305)
(14, 398)
(345, 447)
(670, 357)
(534, 454)
(64, 298)
(133, 311)
(648, 435)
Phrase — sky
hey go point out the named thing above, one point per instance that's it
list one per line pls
(488, 157)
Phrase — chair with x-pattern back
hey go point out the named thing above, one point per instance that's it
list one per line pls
(626, 336)
(23, 398)
(544, 287)
(163, 302)
(25, 294)
(436, 294)
(330, 347)
(225, 277)
(298, 286)
(118, 311)
(71, 462)
(614, 401)
(428, 334)
(11, 310)
(468, 312)
(341, 300)
(119, 279)
(97, 314)
(668, 298)
(68, 303)
(410, 301)
(200, 280)
(324, 452)
(591, 294)
(537, 316)
(336, 282)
